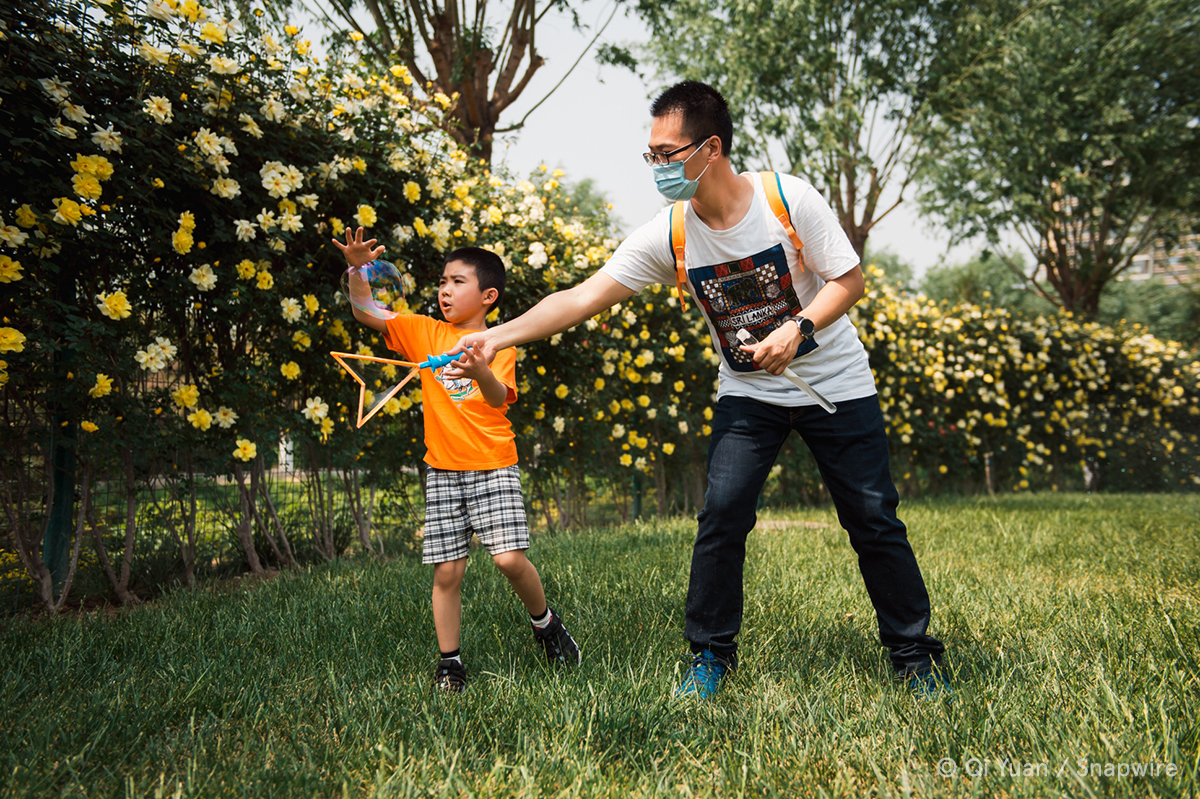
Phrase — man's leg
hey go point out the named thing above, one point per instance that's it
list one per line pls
(746, 438)
(851, 450)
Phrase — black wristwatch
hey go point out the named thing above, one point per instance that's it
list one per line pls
(805, 326)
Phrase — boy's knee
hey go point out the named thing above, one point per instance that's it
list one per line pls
(510, 563)
(447, 575)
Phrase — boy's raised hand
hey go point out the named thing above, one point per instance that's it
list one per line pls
(357, 251)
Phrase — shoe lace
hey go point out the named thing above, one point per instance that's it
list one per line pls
(705, 669)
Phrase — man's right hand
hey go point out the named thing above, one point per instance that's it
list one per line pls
(483, 343)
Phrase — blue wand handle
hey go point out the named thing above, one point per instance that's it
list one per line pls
(438, 361)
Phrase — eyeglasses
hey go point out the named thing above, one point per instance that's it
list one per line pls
(653, 159)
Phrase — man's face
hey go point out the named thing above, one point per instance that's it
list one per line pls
(666, 134)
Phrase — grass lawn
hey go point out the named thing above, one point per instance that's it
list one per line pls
(1072, 623)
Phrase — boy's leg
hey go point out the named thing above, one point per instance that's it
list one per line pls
(497, 514)
(523, 577)
(851, 451)
(447, 603)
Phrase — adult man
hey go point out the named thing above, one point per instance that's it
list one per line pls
(745, 271)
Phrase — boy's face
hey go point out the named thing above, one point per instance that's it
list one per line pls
(459, 295)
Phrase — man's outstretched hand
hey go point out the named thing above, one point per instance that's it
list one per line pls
(357, 251)
(482, 344)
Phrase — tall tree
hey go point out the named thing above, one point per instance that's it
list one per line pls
(839, 87)
(462, 49)
(1078, 129)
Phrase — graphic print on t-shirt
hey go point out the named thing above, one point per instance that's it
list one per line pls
(460, 389)
(755, 293)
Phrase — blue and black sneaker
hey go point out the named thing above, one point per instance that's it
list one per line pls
(703, 678)
(930, 684)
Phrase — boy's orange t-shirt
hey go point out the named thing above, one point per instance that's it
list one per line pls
(462, 432)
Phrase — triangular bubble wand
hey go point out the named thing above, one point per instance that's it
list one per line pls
(431, 362)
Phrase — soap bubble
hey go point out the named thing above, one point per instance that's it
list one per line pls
(383, 295)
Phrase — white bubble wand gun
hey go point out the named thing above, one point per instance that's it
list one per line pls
(747, 339)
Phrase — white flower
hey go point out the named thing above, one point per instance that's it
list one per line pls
(276, 184)
(290, 223)
(63, 130)
(226, 187)
(223, 66)
(245, 230)
(159, 10)
(56, 89)
(107, 139)
(164, 344)
(537, 254)
(683, 427)
(272, 109)
(204, 277)
(220, 163)
(189, 49)
(208, 142)
(250, 126)
(299, 91)
(348, 133)
(352, 81)
(150, 361)
(559, 424)
(12, 235)
(315, 409)
(225, 417)
(308, 201)
(157, 108)
(291, 309)
(618, 431)
(266, 219)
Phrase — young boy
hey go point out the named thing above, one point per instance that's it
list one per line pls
(472, 483)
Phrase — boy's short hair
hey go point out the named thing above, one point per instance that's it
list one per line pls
(705, 112)
(489, 269)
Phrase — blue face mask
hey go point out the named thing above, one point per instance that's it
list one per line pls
(670, 182)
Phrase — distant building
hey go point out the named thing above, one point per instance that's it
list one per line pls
(1180, 265)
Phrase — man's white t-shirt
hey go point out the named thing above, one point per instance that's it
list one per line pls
(749, 276)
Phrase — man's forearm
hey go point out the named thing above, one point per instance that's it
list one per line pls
(560, 311)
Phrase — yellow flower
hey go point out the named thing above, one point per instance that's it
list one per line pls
(643, 400)
(561, 392)
(421, 228)
(67, 211)
(211, 33)
(10, 270)
(412, 192)
(11, 340)
(186, 396)
(300, 340)
(115, 306)
(668, 448)
(942, 469)
(626, 459)
(290, 370)
(708, 413)
(246, 450)
(102, 388)
(246, 269)
(89, 427)
(326, 428)
(290, 30)
(86, 186)
(365, 216)
(187, 221)
(25, 216)
(200, 419)
(265, 281)
(310, 302)
(96, 165)
(182, 241)
(599, 384)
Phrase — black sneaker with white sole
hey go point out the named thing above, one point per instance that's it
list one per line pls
(560, 647)
(451, 675)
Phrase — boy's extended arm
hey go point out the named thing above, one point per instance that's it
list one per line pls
(555, 313)
(474, 366)
(359, 252)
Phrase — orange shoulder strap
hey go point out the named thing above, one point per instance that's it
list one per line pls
(774, 191)
(677, 239)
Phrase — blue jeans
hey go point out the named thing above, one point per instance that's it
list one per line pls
(851, 450)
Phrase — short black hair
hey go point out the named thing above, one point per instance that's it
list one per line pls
(489, 269)
(705, 112)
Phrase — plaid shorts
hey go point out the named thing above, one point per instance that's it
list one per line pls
(486, 503)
